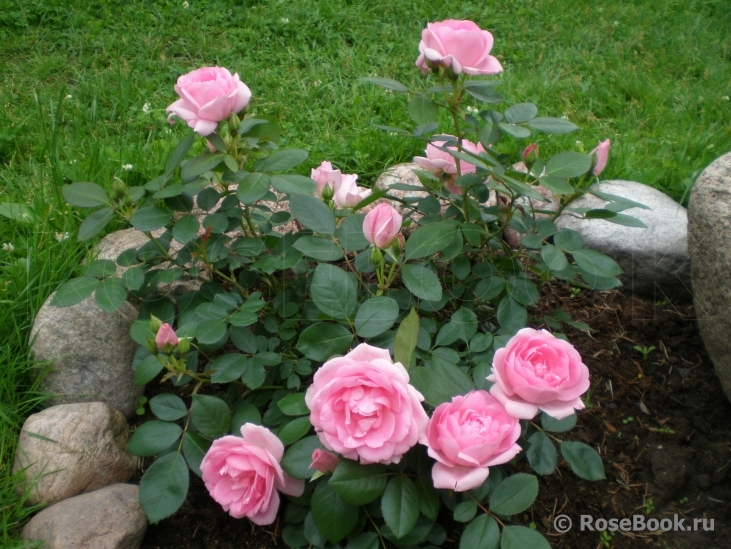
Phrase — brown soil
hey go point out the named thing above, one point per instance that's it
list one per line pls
(662, 426)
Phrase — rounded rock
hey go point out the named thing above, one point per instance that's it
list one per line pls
(654, 259)
(91, 353)
(70, 449)
(709, 234)
(109, 518)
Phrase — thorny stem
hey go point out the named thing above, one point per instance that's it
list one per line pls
(157, 243)
(546, 432)
(456, 99)
(378, 531)
(249, 222)
(393, 272)
(487, 511)
(190, 410)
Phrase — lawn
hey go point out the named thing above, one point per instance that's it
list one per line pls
(85, 86)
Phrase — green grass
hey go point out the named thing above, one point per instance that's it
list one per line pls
(653, 76)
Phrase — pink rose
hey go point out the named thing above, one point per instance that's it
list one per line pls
(165, 335)
(600, 156)
(243, 475)
(346, 193)
(536, 370)
(207, 96)
(362, 406)
(461, 45)
(323, 461)
(468, 435)
(440, 162)
(381, 225)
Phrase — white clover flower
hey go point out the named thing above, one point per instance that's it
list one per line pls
(8, 247)
(61, 236)
(186, 5)
(472, 110)
(284, 19)
(725, 98)
(127, 167)
(69, 96)
(146, 108)
(319, 82)
(579, 142)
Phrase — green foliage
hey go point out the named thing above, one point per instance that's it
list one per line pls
(333, 517)
(164, 486)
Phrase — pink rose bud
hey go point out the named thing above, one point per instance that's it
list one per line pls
(530, 154)
(207, 96)
(381, 225)
(323, 461)
(538, 371)
(398, 244)
(600, 156)
(165, 335)
(467, 436)
(362, 406)
(461, 45)
(244, 474)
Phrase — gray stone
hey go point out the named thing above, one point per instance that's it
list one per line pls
(117, 242)
(709, 235)
(655, 259)
(403, 174)
(110, 518)
(92, 354)
(113, 244)
(70, 449)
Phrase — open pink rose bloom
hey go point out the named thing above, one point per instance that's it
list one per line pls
(346, 193)
(439, 162)
(468, 435)
(461, 45)
(243, 474)
(538, 371)
(362, 406)
(207, 96)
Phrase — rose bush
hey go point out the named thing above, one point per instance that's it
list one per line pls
(362, 406)
(536, 370)
(243, 474)
(467, 436)
(327, 322)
